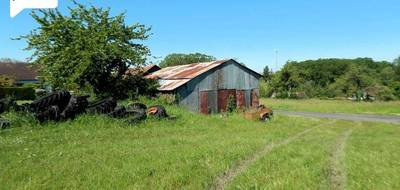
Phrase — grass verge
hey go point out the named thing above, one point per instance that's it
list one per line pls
(334, 106)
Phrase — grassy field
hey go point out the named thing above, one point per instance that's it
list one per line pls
(199, 152)
(335, 106)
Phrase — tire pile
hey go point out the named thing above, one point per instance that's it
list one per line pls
(62, 106)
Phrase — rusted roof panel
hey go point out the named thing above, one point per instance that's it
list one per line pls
(144, 70)
(169, 85)
(173, 77)
(185, 71)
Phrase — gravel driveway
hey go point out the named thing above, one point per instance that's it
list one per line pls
(344, 116)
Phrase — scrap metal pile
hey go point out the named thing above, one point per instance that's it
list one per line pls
(62, 106)
(262, 113)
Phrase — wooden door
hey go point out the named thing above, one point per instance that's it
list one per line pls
(254, 98)
(204, 102)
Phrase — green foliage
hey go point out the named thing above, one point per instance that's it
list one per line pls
(168, 99)
(263, 88)
(19, 93)
(87, 47)
(184, 59)
(335, 78)
(31, 85)
(130, 86)
(231, 107)
(6, 81)
(267, 73)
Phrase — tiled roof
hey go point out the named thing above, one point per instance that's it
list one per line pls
(19, 70)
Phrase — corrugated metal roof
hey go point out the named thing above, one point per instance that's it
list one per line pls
(144, 70)
(173, 77)
(184, 71)
(169, 85)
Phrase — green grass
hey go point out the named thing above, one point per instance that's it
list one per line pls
(335, 106)
(95, 152)
(302, 165)
(373, 157)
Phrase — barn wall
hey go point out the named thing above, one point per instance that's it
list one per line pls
(229, 76)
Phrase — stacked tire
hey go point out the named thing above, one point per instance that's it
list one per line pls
(61, 106)
(105, 106)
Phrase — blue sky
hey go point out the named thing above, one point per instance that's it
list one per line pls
(249, 31)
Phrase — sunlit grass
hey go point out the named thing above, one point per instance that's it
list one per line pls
(335, 106)
(190, 152)
(96, 152)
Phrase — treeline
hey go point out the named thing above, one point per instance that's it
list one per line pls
(361, 79)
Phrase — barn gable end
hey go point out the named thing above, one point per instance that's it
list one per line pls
(214, 86)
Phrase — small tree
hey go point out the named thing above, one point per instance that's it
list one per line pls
(88, 47)
(184, 59)
(231, 107)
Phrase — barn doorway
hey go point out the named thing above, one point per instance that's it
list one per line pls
(223, 96)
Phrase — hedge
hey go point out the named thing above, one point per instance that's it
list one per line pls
(19, 93)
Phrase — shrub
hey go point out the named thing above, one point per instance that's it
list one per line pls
(231, 107)
(168, 99)
(19, 93)
(6, 81)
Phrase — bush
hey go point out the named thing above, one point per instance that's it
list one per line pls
(168, 99)
(231, 107)
(19, 93)
(6, 81)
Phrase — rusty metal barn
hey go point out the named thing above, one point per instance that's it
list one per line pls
(206, 87)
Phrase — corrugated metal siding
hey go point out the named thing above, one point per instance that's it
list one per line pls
(204, 102)
(189, 96)
(227, 77)
(213, 101)
(240, 99)
(254, 98)
(247, 95)
(233, 76)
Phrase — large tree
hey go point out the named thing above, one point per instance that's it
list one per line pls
(336, 77)
(184, 59)
(87, 47)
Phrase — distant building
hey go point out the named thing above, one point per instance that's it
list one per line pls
(23, 73)
(206, 87)
(146, 70)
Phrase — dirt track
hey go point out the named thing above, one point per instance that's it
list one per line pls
(345, 116)
(225, 179)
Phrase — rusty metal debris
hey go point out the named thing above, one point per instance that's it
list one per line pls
(157, 111)
(261, 113)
